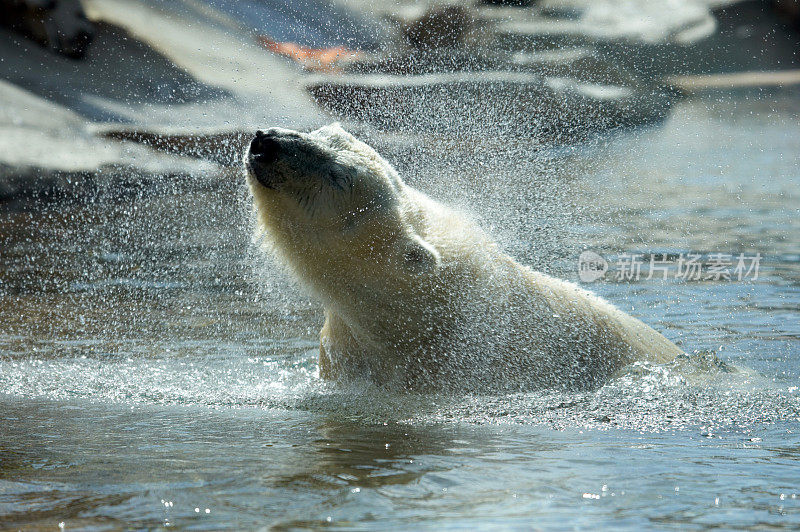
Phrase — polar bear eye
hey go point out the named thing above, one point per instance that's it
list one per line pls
(341, 177)
(335, 181)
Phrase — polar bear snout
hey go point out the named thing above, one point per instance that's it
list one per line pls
(263, 155)
(264, 147)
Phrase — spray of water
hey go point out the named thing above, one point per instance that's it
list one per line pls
(163, 298)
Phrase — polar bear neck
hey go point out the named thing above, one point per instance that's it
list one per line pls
(326, 257)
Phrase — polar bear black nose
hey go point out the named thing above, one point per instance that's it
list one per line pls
(265, 146)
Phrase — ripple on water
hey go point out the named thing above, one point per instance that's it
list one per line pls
(694, 391)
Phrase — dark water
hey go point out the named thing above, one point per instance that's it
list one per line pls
(156, 370)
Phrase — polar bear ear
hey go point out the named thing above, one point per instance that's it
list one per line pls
(420, 257)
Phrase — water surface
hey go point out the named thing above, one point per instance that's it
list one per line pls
(157, 370)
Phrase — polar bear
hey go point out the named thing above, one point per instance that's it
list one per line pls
(415, 295)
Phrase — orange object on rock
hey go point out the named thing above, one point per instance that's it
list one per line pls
(316, 59)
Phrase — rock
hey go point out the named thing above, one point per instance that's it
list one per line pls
(59, 25)
(644, 21)
(486, 104)
(318, 24)
(749, 36)
(181, 85)
(653, 38)
(519, 3)
(45, 147)
(439, 27)
(429, 61)
(251, 86)
(790, 9)
(221, 147)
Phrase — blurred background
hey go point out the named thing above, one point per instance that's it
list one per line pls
(147, 87)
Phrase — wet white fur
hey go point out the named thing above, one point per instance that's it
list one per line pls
(416, 295)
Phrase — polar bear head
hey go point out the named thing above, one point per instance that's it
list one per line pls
(328, 201)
